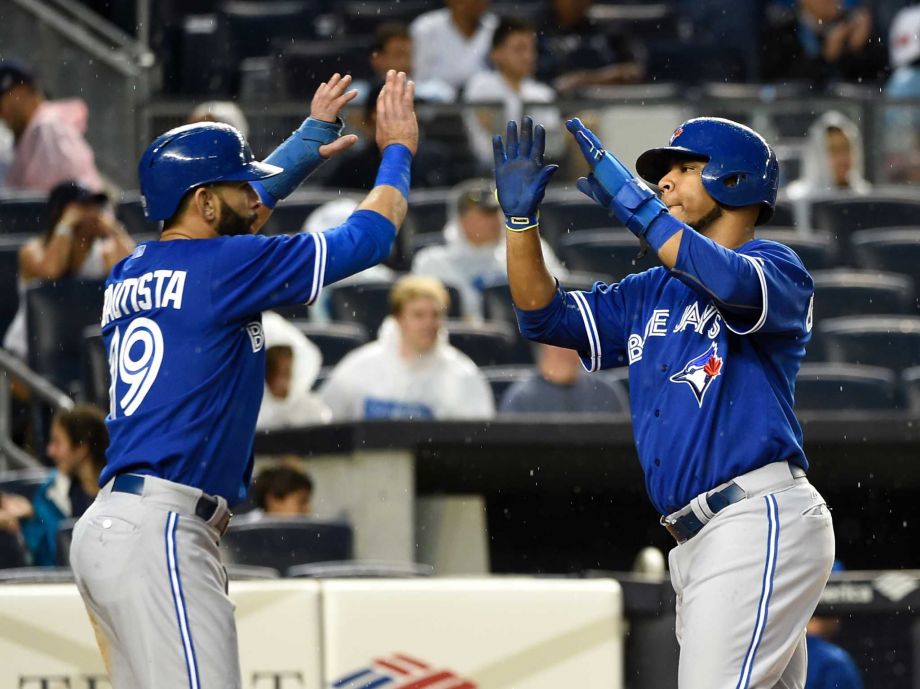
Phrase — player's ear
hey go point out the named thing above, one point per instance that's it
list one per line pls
(206, 203)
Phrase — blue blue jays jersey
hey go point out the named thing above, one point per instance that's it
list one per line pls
(182, 327)
(711, 381)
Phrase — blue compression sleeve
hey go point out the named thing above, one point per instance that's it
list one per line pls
(364, 240)
(395, 168)
(719, 273)
(299, 156)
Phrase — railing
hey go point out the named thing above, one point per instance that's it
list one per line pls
(78, 54)
(11, 455)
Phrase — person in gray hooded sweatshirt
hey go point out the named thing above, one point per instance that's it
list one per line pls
(832, 164)
(473, 256)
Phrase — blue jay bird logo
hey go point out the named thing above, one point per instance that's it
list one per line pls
(700, 372)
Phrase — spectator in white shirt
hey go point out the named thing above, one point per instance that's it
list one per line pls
(410, 371)
(452, 44)
(512, 85)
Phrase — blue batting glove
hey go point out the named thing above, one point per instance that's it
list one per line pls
(591, 147)
(520, 174)
(590, 187)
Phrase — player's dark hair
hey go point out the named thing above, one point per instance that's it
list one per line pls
(507, 26)
(387, 32)
(85, 425)
(180, 209)
(279, 482)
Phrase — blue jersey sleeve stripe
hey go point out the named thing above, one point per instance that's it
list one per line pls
(758, 268)
(591, 328)
(319, 266)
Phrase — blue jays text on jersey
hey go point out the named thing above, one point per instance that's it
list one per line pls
(713, 348)
(182, 326)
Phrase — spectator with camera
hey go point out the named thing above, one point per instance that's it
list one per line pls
(83, 240)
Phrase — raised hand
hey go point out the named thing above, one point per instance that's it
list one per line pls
(591, 147)
(521, 175)
(396, 121)
(330, 97)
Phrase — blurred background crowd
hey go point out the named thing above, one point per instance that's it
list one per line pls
(834, 85)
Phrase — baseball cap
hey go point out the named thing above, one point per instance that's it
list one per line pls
(69, 192)
(904, 42)
(479, 193)
(13, 73)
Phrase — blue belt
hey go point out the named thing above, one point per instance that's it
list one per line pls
(687, 526)
(205, 508)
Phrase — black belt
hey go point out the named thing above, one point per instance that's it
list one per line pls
(688, 525)
(205, 508)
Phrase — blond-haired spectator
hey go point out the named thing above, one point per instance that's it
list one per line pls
(410, 371)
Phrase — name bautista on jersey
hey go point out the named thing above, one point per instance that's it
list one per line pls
(158, 289)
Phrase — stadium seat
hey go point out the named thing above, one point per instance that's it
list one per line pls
(497, 305)
(302, 65)
(896, 250)
(609, 254)
(859, 293)
(130, 211)
(9, 280)
(25, 215)
(361, 569)
(368, 303)
(334, 340)
(845, 387)
(503, 377)
(362, 17)
(565, 213)
(282, 542)
(253, 26)
(56, 315)
(617, 376)
(23, 482)
(783, 216)
(487, 344)
(94, 365)
(12, 550)
(843, 217)
(290, 214)
(816, 250)
(910, 379)
(889, 341)
(64, 538)
(428, 210)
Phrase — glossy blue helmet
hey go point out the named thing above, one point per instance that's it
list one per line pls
(189, 156)
(741, 168)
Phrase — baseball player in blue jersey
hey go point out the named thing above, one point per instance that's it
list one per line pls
(713, 341)
(182, 326)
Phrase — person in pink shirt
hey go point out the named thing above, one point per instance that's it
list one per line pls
(50, 147)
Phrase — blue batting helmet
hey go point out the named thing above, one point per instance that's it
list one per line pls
(741, 168)
(189, 156)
